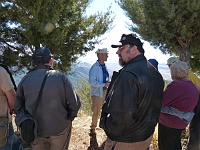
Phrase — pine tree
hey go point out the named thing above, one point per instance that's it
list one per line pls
(60, 25)
(172, 26)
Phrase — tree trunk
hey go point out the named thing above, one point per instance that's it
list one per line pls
(184, 56)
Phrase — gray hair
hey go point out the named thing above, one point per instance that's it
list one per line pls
(179, 70)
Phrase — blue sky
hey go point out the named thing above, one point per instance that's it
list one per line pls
(114, 35)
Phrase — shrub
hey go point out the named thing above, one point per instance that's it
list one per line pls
(83, 90)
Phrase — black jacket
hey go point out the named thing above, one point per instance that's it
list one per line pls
(133, 102)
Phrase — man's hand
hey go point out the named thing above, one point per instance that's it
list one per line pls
(107, 84)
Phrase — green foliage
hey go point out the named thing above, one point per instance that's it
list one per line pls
(22, 29)
(172, 26)
(83, 90)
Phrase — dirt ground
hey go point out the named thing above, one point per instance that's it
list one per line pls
(80, 139)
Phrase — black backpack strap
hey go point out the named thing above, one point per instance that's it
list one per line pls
(38, 98)
(40, 94)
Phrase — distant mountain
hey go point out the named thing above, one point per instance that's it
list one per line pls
(19, 76)
(81, 71)
(165, 72)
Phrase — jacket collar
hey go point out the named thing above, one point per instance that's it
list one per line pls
(43, 67)
(136, 59)
(97, 62)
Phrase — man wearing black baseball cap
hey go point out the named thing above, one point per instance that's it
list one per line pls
(133, 99)
(132, 41)
(57, 106)
(42, 56)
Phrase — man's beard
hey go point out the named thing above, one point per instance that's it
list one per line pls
(122, 63)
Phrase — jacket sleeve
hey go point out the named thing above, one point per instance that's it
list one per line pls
(72, 100)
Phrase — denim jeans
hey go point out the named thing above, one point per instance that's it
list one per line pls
(12, 142)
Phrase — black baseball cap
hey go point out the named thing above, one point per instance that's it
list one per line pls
(128, 39)
(42, 54)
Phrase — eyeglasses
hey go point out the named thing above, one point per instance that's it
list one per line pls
(123, 47)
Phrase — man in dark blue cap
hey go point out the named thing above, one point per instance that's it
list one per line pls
(133, 99)
(42, 56)
(154, 62)
(57, 108)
